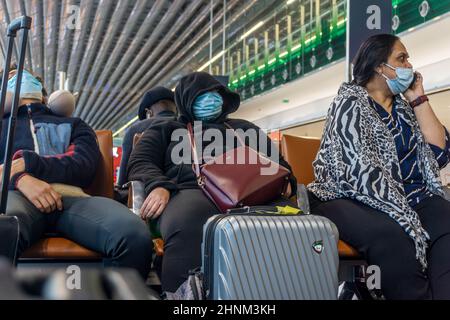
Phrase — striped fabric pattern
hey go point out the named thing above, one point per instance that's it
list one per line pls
(358, 160)
(406, 144)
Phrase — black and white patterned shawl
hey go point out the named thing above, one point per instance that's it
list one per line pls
(358, 160)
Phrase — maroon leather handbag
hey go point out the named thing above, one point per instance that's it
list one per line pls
(230, 184)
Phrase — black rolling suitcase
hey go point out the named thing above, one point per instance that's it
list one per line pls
(9, 226)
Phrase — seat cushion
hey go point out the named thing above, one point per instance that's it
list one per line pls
(59, 248)
(346, 251)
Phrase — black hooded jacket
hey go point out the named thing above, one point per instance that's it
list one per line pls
(151, 159)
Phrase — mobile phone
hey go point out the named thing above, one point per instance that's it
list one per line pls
(414, 81)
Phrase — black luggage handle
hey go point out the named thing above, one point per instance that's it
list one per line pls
(22, 23)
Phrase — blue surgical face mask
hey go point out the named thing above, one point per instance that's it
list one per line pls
(31, 88)
(404, 79)
(208, 106)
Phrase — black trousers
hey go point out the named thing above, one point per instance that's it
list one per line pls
(99, 224)
(384, 243)
(181, 226)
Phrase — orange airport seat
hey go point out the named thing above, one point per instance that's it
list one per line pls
(59, 249)
(300, 153)
(56, 248)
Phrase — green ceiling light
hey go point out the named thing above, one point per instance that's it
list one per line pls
(253, 29)
(310, 39)
(243, 77)
(296, 47)
(215, 58)
(340, 23)
(272, 61)
(252, 72)
(284, 54)
(261, 67)
(235, 81)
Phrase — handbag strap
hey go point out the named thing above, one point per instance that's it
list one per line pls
(196, 164)
(235, 134)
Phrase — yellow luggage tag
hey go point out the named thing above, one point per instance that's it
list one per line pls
(288, 210)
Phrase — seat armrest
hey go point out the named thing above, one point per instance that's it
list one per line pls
(302, 198)
(136, 196)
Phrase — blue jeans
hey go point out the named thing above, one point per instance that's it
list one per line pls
(99, 224)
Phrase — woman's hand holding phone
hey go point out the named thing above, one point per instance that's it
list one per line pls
(416, 89)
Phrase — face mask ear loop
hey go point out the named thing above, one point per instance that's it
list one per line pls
(389, 66)
(384, 76)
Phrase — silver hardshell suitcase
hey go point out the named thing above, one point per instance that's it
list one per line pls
(270, 257)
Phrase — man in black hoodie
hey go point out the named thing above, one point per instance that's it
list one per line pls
(173, 196)
(54, 157)
(157, 104)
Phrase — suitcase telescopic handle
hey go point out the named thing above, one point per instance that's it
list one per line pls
(23, 22)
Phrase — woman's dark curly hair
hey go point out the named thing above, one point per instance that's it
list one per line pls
(372, 53)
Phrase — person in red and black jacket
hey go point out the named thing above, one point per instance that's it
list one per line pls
(54, 157)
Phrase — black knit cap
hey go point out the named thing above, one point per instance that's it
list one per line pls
(153, 96)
